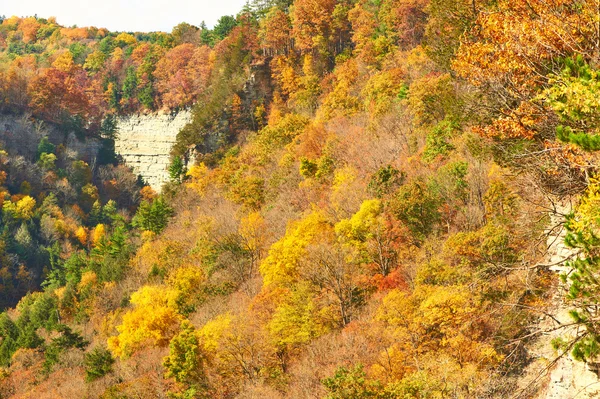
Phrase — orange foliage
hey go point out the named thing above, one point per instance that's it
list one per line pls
(182, 74)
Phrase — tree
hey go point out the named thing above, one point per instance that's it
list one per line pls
(351, 383)
(253, 234)
(571, 95)
(417, 205)
(582, 278)
(10, 334)
(374, 235)
(526, 41)
(330, 269)
(23, 209)
(176, 169)
(153, 215)
(153, 321)
(297, 320)
(237, 346)
(58, 93)
(185, 362)
(281, 265)
(223, 26)
(97, 364)
(45, 147)
(185, 33)
(312, 23)
(182, 74)
(447, 23)
(275, 31)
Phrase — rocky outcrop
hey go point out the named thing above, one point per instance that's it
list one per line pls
(145, 141)
(561, 377)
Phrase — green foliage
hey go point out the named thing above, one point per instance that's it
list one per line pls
(573, 96)
(209, 114)
(130, 84)
(223, 26)
(417, 205)
(363, 257)
(437, 141)
(177, 169)
(97, 363)
(45, 147)
(108, 259)
(582, 280)
(308, 168)
(185, 361)
(80, 174)
(385, 181)
(351, 383)
(47, 161)
(584, 140)
(146, 96)
(9, 334)
(38, 310)
(66, 340)
(452, 181)
(153, 216)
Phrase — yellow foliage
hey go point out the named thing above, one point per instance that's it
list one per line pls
(88, 279)
(281, 265)
(94, 61)
(64, 62)
(25, 208)
(362, 223)
(440, 319)
(253, 230)
(152, 322)
(343, 177)
(586, 220)
(147, 193)
(345, 191)
(186, 279)
(82, 235)
(161, 253)
(125, 38)
(382, 90)
(155, 295)
(22, 209)
(431, 98)
(214, 331)
(297, 320)
(60, 293)
(98, 234)
(342, 100)
(117, 54)
(200, 178)
(188, 282)
(147, 235)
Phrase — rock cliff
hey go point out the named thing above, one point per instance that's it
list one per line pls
(554, 376)
(145, 141)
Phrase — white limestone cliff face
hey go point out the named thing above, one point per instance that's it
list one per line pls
(566, 378)
(145, 142)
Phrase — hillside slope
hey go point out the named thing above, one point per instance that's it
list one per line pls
(359, 207)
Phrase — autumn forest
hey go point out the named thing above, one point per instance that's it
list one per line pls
(359, 207)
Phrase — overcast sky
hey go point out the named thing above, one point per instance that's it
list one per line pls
(125, 15)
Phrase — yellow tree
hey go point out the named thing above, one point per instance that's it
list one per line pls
(153, 321)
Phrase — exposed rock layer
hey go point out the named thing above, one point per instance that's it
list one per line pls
(145, 142)
(565, 378)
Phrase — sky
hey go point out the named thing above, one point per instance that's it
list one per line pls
(125, 15)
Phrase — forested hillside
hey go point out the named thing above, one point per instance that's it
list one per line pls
(358, 209)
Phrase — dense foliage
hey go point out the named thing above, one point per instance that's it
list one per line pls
(355, 210)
